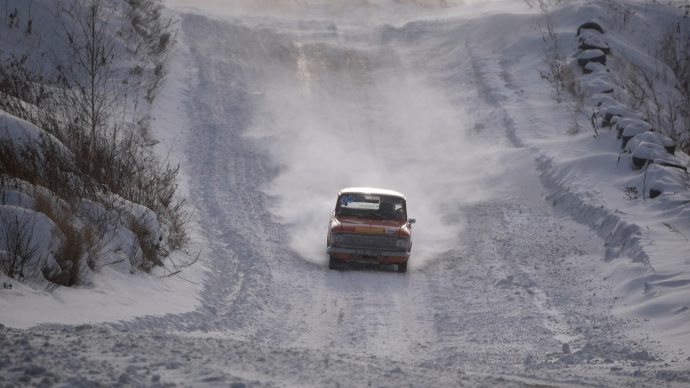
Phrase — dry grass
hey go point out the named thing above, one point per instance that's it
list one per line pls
(72, 245)
(149, 250)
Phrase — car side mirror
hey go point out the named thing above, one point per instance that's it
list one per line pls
(411, 220)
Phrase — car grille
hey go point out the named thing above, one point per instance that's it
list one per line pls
(368, 242)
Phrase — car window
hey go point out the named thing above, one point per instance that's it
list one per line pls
(371, 206)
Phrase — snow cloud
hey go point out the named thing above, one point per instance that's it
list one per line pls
(332, 117)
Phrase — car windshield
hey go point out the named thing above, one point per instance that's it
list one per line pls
(371, 206)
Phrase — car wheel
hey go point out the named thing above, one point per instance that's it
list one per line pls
(332, 262)
(402, 267)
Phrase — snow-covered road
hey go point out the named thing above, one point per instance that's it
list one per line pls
(284, 111)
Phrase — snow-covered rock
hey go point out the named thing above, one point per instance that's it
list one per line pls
(661, 179)
(596, 83)
(627, 127)
(592, 55)
(588, 27)
(646, 152)
(651, 137)
(610, 113)
(595, 68)
(592, 39)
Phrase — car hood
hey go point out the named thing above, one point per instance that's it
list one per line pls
(373, 226)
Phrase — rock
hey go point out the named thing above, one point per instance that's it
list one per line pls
(213, 379)
(566, 348)
(34, 370)
(172, 365)
(83, 327)
(124, 379)
(641, 356)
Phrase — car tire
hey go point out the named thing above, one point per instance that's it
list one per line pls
(332, 262)
(402, 267)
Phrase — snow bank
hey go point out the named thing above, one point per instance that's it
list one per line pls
(642, 215)
(662, 183)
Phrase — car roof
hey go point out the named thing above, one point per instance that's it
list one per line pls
(371, 190)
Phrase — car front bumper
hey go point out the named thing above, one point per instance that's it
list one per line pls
(368, 255)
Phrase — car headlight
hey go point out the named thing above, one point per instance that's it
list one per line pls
(338, 238)
(401, 243)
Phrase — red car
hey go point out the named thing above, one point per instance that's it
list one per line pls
(369, 225)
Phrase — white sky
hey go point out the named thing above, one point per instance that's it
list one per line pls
(330, 7)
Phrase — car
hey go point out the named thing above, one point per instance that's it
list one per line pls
(369, 225)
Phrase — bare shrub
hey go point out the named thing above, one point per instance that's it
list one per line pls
(557, 72)
(19, 162)
(118, 159)
(674, 51)
(44, 164)
(153, 38)
(668, 113)
(619, 13)
(20, 247)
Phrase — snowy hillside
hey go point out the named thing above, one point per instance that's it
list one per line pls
(544, 252)
(83, 197)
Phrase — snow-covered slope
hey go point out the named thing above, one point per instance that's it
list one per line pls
(529, 264)
(57, 229)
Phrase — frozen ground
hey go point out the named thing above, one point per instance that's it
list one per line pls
(272, 114)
